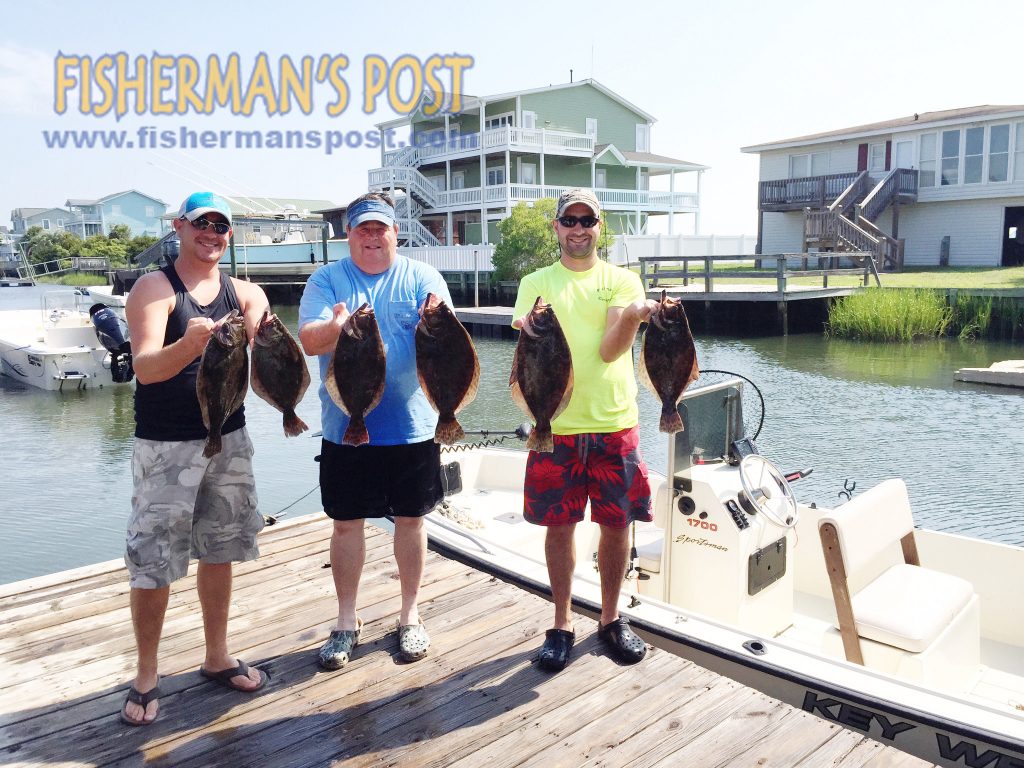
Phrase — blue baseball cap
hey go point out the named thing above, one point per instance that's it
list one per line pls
(198, 203)
(370, 210)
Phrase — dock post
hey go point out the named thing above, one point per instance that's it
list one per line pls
(234, 261)
(783, 316)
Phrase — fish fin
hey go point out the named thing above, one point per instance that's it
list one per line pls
(426, 390)
(213, 445)
(293, 425)
(670, 420)
(540, 440)
(694, 371)
(566, 397)
(356, 433)
(331, 384)
(520, 400)
(474, 385)
(641, 369)
(448, 431)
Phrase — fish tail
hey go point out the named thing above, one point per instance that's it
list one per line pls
(293, 425)
(356, 433)
(212, 445)
(448, 431)
(540, 440)
(670, 421)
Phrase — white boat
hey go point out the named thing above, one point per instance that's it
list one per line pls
(56, 347)
(732, 575)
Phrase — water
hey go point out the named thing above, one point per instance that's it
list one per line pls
(855, 413)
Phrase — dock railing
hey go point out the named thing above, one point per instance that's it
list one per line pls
(652, 269)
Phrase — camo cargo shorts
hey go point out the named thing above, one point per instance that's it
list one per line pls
(184, 504)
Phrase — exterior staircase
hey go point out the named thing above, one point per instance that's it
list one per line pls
(400, 171)
(407, 214)
(847, 224)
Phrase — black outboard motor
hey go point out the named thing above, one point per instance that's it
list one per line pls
(112, 333)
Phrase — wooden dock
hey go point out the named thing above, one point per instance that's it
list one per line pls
(67, 653)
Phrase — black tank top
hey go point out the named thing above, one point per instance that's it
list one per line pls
(169, 410)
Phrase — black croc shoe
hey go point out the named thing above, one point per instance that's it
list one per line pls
(554, 654)
(623, 641)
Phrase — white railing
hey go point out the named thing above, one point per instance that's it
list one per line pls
(436, 145)
(629, 249)
(410, 229)
(612, 199)
(405, 178)
(454, 258)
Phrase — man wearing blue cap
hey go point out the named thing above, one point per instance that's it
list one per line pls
(182, 502)
(398, 473)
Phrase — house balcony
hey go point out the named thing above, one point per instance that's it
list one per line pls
(818, 192)
(507, 195)
(434, 146)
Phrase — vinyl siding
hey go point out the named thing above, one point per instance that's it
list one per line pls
(974, 227)
(782, 232)
(567, 109)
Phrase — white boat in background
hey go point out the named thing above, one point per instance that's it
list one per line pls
(58, 347)
(732, 574)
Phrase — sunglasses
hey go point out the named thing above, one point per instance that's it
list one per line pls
(588, 222)
(203, 224)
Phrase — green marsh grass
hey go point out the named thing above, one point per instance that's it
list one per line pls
(886, 315)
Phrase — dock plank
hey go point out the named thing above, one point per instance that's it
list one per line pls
(478, 698)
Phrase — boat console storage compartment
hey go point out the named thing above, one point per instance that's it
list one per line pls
(727, 562)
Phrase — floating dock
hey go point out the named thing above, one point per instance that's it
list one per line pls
(67, 654)
(1008, 373)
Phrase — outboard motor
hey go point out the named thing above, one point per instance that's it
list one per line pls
(112, 333)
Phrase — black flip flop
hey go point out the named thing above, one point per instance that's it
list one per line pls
(142, 699)
(224, 677)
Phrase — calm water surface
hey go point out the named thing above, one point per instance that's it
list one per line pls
(855, 413)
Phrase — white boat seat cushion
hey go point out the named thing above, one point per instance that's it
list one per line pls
(907, 606)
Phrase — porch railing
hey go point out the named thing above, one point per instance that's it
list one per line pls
(899, 181)
(817, 191)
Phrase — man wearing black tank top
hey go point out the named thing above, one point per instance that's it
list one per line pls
(183, 504)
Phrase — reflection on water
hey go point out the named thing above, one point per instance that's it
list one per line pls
(853, 412)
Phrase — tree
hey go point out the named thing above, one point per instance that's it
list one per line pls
(98, 246)
(138, 244)
(46, 245)
(120, 232)
(528, 241)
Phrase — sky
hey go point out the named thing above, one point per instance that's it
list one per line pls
(716, 76)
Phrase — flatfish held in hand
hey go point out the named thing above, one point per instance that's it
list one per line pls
(223, 378)
(668, 359)
(446, 365)
(355, 376)
(541, 379)
(279, 371)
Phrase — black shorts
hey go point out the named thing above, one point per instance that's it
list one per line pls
(380, 480)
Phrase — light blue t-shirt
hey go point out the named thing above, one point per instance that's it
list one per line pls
(403, 414)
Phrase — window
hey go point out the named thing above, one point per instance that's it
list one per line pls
(498, 121)
(150, 211)
(999, 153)
(601, 178)
(876, 157)
(528, 173)
(459, 180)
(974, 149)
(529, 119)
(495, 177)
(592, 126)
(1018, 155)
(60, 223)
(643, 137)
(950, 157)
(115, 210)
(46, 223)
(814, 164)
(926, 177)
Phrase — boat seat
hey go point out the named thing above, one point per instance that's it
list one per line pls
(650, 541)
(884, 595)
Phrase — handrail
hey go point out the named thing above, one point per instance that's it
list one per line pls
(851, 194)
(899, 181)
(806, 189)
(780, 274)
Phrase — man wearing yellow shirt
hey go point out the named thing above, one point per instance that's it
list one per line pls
(596, 455)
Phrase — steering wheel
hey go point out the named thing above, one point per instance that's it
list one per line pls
(769, 492)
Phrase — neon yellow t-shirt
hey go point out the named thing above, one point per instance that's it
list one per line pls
(604, 394)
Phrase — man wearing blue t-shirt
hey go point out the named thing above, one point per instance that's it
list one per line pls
(398, 473)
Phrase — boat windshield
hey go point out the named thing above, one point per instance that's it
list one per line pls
(712, 419)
